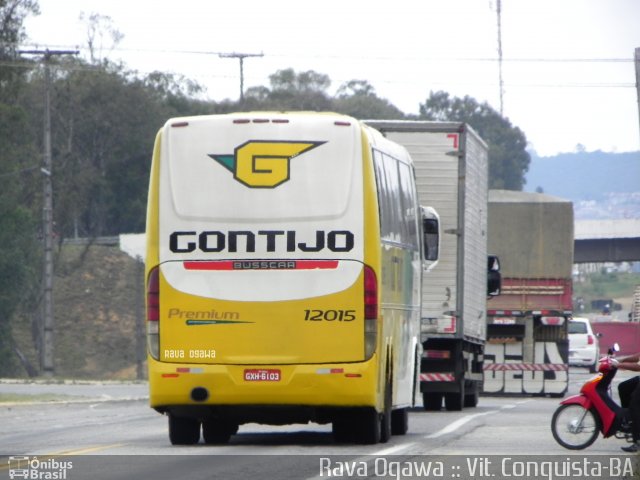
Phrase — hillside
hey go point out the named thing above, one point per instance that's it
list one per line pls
(601, 184)
(98, 293)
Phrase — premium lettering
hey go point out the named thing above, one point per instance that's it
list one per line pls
(202, 314)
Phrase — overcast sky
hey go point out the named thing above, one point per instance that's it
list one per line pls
(568, 67)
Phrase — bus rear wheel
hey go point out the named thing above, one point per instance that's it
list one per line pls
(367, 426)
(217, 432)
(342, 431)
(183, 430)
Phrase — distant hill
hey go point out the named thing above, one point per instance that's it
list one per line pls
(585, 176)
(601, 184)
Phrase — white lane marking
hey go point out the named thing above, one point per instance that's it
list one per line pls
(452, 427)
(393, 450)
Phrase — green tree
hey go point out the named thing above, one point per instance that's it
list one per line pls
(358, 99)
(508, 158)
(99, 121)
(176, 95)
(12, 68)
(18, 263)
(18, 274)
(290, 91)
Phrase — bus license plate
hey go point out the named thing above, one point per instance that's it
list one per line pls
(261, 375)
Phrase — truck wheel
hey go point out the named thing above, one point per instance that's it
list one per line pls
(400, 421)
(454, 401)
(183, 430)
(471, 399)
(432, 401)
(217, 432)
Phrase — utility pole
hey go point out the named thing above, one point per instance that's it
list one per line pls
(501, 82)
(241, 57)
(47, 345)
(637, 62)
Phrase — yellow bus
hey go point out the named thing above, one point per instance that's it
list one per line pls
(283, 276)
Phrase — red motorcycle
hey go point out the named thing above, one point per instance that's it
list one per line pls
(578, 420)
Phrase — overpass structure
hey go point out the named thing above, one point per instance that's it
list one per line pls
(597, 241)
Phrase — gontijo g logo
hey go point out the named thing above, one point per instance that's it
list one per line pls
(261, 163)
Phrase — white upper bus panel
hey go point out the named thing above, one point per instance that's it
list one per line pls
(238, 168)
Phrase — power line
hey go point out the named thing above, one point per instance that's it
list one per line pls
(413, 81)
(394, 58)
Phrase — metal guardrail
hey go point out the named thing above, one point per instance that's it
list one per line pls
(108, 241)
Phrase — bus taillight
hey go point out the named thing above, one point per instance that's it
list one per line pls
(153, 313)
(370, 311)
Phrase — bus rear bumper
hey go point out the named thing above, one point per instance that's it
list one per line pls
(278, 391)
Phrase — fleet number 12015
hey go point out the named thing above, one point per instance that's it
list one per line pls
(329, 315)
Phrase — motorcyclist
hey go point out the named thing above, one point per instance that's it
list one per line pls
(629, 392)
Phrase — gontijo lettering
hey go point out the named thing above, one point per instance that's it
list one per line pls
(262, 240)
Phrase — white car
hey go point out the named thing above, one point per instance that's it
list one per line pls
(583, 344)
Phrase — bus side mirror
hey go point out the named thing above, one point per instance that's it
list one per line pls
(431, 230)
(494, 278)
(430, 237)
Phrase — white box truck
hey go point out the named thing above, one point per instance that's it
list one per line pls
(451, 168)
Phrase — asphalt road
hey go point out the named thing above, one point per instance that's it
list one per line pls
(108, 431)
